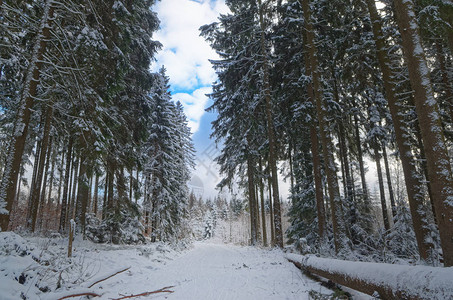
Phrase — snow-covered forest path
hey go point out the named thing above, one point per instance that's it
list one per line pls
(38, 268)
(218, 271)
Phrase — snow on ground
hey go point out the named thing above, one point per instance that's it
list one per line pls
(216, 271)
(205, 271)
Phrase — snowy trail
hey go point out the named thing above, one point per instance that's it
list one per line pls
(211, 271)
(217, 271)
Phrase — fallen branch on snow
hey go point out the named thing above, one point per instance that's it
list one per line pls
(80, 294)
(92, 294)
(110, 276)
(162, 290)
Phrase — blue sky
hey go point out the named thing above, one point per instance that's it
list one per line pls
(185, 56)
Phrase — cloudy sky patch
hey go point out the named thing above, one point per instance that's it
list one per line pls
(194, 105)
(185, 54)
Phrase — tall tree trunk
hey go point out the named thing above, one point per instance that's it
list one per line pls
(343, 173)
(414, 185)
(71, 179)
(138, 187)
(291, 172)
(121, 185)
(263, 209)
(52, 171)
(351, 171)
(361, 165)
(257, 210)
(95, 196)
(154, 213)
(263, 213)
(437, 158)
(67, 175)
(146, 204)
(385, 215)
(271, 134)
(33, 182)
(271, 211)
(131, 184)
(343, 145)
(110, 173)
(82, 193)
(74, 177)
(317, 176)
(49, 202)
(349, 183)
(42, 200)
(366, 204)
(351, 214)
(104, 200)
(389, 181)
(36, 192)
(16, 205)
(90, 193)
(252, 202)
(9, 182)
(146, 222)
(60, 176)
(334, 192)
(316, 159)
(448, 89)
(422, 159)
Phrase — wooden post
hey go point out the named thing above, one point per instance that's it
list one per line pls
(71, 236)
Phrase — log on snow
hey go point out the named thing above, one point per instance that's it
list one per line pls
(389, 280)
(79, 295)
(162, 290)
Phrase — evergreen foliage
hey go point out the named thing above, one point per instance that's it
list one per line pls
(78, 99)
(358, 66)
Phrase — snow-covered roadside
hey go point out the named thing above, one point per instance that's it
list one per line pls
(38, 268)
(207, 271)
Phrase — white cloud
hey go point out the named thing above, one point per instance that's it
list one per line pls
(194, 105)
(185, 54)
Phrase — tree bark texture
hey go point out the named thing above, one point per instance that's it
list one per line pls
(385, 216)
(36, 192)
(67, 174)
(389, 181)
(346, 273)
(330, 169)
(271, 211)
(252, 206)
(95, 196)
(82, 194)
(437, 158)
(9, 181)
(271, 135)
(316, 158)
(42, 197)
(75, 175)
(414, 184)
(366, 199)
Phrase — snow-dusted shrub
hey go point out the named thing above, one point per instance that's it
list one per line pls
(121, 226)
(303, 231)
(13, 244)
